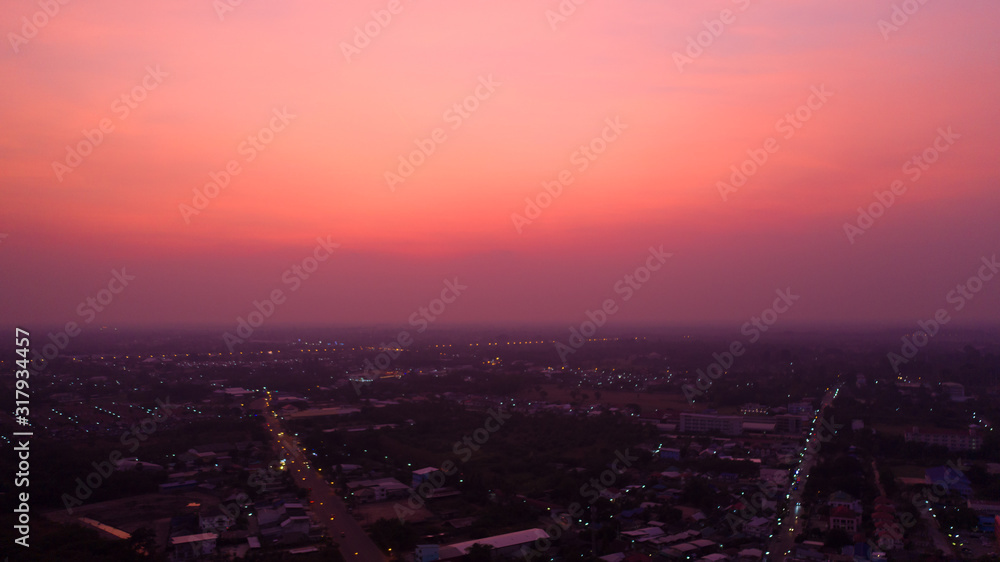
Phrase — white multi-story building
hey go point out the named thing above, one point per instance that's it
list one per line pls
(953, 439)
(703, 423)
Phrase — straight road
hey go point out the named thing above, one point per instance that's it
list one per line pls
(783, 540)
(354, 542)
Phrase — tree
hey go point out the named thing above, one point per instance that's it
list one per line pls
(393, 534)
(837, 538)
(143, 541)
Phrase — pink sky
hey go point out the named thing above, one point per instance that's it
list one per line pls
(324, 173)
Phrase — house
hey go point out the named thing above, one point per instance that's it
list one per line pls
(778, 476)
(758, 527)
(888, 532)
(689, 549)
(840, 498)
(645, 534)
(843, 517)
(283, 523)
(670, 453)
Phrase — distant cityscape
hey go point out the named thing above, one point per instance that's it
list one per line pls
(483, 447)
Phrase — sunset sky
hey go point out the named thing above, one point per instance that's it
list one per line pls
(199, 81)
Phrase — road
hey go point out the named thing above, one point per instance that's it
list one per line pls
(783, 539)
(355, 544)
(934, 528)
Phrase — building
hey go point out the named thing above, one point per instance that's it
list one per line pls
(758, 424)
(844, 499)
(888, 531)
(801, 408)
(842, 517)
(704, 423)
(366, 491)
(284, 523)
(953, 439)
(215, 520)
(779, 476)
(506, 545)
(670, 453)
(789, 423)
(193, 547)
(425, 475)
(427, 553)
(954, 391)
(984, 507)
(758, 527)
(952, 480)
(754, 409)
